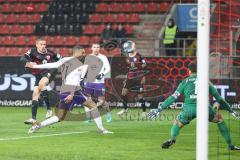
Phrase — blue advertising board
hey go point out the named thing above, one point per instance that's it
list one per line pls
(187, 17)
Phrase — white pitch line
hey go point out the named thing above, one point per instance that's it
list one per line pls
(40, 136)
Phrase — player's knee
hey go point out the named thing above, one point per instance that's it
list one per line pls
(217, 118)
(124, 92)
(90, 104)
(61, 118)
(100, 102)
(177, 122)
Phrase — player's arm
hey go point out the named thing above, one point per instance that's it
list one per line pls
(27, 57)
(144, 64)
(106, 69)
(174, 96)
(153, 113)
(51, 65)
(220, 100)
(106, 64)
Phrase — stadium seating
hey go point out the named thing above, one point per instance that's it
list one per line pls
(18, 20)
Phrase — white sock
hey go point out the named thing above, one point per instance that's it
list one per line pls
(86, 109)
(97, 118)
(49, 121)
(98, 122)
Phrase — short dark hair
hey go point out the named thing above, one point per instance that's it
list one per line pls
(192, 66)
(41, 38)
(78, 48)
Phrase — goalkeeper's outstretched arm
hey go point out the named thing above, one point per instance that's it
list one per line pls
(224, 103)
(219, 99)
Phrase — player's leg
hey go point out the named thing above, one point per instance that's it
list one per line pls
(50, 121)
(62, 111)
(187, 114)
(175, 130)
(96, 115)
(143, 105)
(216, 117)
(35, 97)
(125, 100)
(42, 85)
(141, 97)
(102, 102)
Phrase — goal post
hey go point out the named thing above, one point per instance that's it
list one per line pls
(203, 78)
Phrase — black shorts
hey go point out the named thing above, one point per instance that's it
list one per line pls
(132, 83)
(50, 75)
(40, 76)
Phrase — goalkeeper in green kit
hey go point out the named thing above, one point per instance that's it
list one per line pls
(188, 113)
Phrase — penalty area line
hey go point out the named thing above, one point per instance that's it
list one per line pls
(41, 136)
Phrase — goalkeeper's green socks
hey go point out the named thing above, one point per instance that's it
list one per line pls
(224, 132)
(175, 131)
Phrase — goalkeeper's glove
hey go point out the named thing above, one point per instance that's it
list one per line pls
(235, 114)
(100, 76)
(154, 113)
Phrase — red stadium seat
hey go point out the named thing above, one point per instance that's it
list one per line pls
(95, 39)
(20, 41)
(88, 50)
(49, 40)
(83, 40)
(164, 7)
(6, 8)
(114, 7)
(43, 7)
(109, 18)
(4, 29)
(65, 51)
(58, 40)
(114, 26)
(11, 18)
(30, 8)
(70, 41)
(28, 29)
(18, 7)
(129, 28)
(89, 29)
(9, 40)
(22, 18)
(127, 7)
(3, 51)
(14, 51)
(31, 40)
(152, 7)
(2, 18)
(139, 8)
(95, 18)
(99, 29)
(121, 18)
(35, 18)
(16, 29)
(134, 18)
(102, 7)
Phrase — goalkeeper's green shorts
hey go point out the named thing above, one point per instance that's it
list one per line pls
(189, 113)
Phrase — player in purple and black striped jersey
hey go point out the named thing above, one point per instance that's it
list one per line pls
(40, 55)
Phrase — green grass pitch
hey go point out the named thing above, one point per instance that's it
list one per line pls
(133, 139)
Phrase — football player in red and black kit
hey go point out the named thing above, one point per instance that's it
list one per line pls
(40, 55)
(136, 64)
